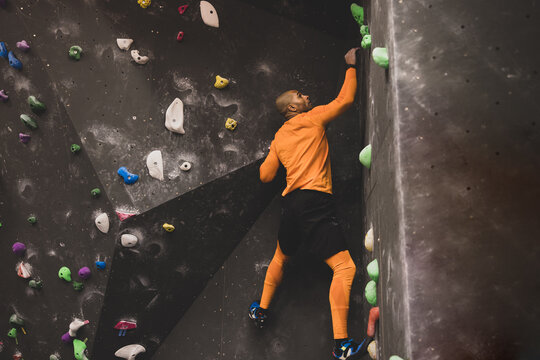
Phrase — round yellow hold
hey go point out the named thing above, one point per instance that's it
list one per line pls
(144, 3)
(168, 227)
(220, 83)
(372, 350)
(368, 240)
(230, 124)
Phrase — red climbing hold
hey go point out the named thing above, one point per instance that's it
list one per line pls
(373, 317)
(180, 36)
(123, 216)
(182, 9)
(125, 325)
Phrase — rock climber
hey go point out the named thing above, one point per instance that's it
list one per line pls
(308, 214)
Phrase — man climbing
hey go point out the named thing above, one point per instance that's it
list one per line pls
(308, 213)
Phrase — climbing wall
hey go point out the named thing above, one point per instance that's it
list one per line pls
(114, 109)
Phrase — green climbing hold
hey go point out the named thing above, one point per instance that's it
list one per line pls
(371, 292)
(358, 13)
(28, 121)
(95, 192)
(380, 56)
(75, 148)
(37, 106)
(12, 333)
(16, 320)
(75, 52)
(54, 357)
(373, 270)
(364, 30)
(395, 357)
(366, 42)
(32, 219)
(78, 286)
(79, 348)
(365, 156)
(64, 273)
(35, 284)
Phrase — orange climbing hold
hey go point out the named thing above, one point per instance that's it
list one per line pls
(373, 317)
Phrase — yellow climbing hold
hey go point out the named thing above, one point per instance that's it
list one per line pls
(368, 240)
(372, 350)
(221, 83)
(230, 124)
(168, 227)
(144, 3)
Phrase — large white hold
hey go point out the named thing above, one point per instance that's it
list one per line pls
(102, 223)
(129, 352)
(154, 162)
(124, 44)
(128, 240)
(209, 14)
(174, 117)
(75, 326)
(139, 59)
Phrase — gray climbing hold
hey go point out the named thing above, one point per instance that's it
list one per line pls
(174, 117)
(128, 240)
(209, 14)
(124, 44)
(129, 352)
(102, 222)
(154, 162)
(139, 59)
(186, 166)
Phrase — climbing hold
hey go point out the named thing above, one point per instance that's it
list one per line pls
(373, 270)
(365, 156)
(138, 58)
(364, 30)
(13, 334)
(395, 357)
(64, 273)
(24, 138)
(373, 317)
(17, 355)
(144, 3)
(75, 52)
(128, 240)
(102, 222)
(124, 44)
(75, 325)
(84, 272)
(28, 121)
(32, 219)
(75, 148)
(154, 162)
(174, 117)
(221, 82)
(129, 178)
(13, 61)
(35, 284)
(180, 36)
(209, 14)
(182, 9)
(372, 350)
(23, 270)
(366, 42)
(168, 227)
(79, 348)
(380, 57)
(3, 96)
(123, 216)
(368, 240)
(16, 320)
(23, 45)
(125, 325)
(37, 106)
(371, 292)
(19, 248)
(66, 338)
(129, 352)
(95, 192)
(54, 357)
(358, 13)
(185, 166)
(230, 124)
(3, 50)
(78, 286)
(101, 265)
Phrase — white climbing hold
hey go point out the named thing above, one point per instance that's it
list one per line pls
(154, 162)
(75, 326)
(368, 241)
(128, 240)
(24, 270)
(185, 166)
(209, 14)
(174, 117)
(124, 44)
(102, 223)
(372, 350)
(138, 58)
(129, 352)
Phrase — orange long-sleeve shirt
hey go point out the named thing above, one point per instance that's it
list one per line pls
(302, 147)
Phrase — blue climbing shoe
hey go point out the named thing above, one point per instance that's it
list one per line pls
(13, 61)
(257, 314)
(350, 349)
(3, 50)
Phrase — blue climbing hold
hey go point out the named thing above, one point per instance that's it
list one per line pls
(13, 61)
(101, 265)
(3, 50)
(129, 178)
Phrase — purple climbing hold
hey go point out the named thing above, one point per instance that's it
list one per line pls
(3, 50)
(3, 96)
(101, 265)
(19, 248)
(84, 272)
(13, 61)
(25, 138)
(23, 45)
(67, 338)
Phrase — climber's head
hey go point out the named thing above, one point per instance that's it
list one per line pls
(292, 103)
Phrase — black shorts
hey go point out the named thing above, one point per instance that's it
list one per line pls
(308, 218)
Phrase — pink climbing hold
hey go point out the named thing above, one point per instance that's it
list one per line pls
(84, 272)
(25, 138)
(3, 96)
(123, 216)
(125, 325)
(180, 36)
(23, 45)
(182, 9)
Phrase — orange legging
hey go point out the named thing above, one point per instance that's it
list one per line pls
(340, 289)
